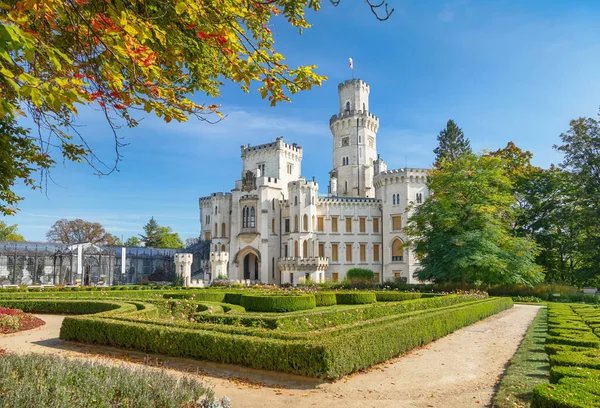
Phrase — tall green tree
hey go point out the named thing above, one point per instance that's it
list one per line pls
(157, 236)
(451, 143)
(462, 233)
(581, 149)
(9, 232)
(133, 242)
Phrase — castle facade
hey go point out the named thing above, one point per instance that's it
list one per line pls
(273, 227)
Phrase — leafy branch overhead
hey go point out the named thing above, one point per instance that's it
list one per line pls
(130, 58)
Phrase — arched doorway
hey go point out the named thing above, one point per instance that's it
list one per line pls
(251, 267)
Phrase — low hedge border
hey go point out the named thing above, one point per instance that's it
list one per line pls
(355, 298)
(569, 392)
(277, 304)
(70, 306)
(325, 299)
(396, 296)
(335, 354)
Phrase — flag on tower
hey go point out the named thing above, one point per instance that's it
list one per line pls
(351, 63)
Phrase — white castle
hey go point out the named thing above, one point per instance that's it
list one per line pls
(274, 228)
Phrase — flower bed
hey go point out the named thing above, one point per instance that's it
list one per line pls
(15, 320)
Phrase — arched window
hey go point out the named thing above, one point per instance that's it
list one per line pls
(305, 249)
(394, 199)
(398, 198)
(296, 249)
(252, 217)
(222, 247)
(216, 230)
(215, 209)
(305, 223)
(296, 223)
(397, 250)
(216, 248)
(348, 105)
(273, 225)
(245, 217)
(223, 230)
(273, 267)
(273, 204)
(295, 200)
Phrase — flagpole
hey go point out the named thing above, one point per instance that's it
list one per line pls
(351, 66)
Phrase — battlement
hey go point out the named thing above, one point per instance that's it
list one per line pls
(358, 83)
(302, 183)
(183, 258)
(218, 196)
(219, 257)
(410, 175)
(277, 145)
(354, 114)
(348, 200)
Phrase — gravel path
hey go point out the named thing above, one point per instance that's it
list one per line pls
(459, 370)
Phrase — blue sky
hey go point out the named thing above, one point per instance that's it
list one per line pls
(503, 70)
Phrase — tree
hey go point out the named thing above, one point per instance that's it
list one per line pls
(126, 58)
(116, 241)
(157, 236)
(581, 147)
(9, 232)
(452, 143)
(78, 232)
(462, 231)
(133, 242)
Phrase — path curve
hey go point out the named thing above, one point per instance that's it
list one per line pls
(459, 370)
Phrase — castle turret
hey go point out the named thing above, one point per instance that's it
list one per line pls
(354, 132)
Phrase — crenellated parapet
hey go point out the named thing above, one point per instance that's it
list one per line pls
(296, 264)
(277, 147)
(406, 175)
(347, 119)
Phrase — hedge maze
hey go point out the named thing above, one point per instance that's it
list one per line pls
(321, 334)
(573, 346)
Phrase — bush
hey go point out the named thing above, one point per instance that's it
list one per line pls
(42, 381)
(67, 306)
(559, 372)
(327, 354)
(355, 298)
(396, 296)
(277, 304)
(360, 278)
(567, 393)
(325, 298)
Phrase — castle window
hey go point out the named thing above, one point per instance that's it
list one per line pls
(252, 217)
(362, 224)
(375, 224)
(359, 139)
(398, 198)
(248, 217)
(348, 224)
(363, 252)
(419, 198)
(334, 224)
(305, 249)
(394, 199)
(295, 200)
(305, 223)
(396, 222)
(296, 249)
(216, 230)
(273, 267)
(223, 230)
(287, 225)
(290, 167)
(320, 224)
(261, 167)
(215, 209)
(375, 252)
(285, 250)
(397, 250)
(273, 225)
(222, 247)
(321, 250)
(345, 141)
(348, 105)
(345, 187)
(371, 142)
(295, 223)
(334, 252)
(348, 252)
(273, 204)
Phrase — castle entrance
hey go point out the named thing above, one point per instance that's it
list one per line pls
(251, 267)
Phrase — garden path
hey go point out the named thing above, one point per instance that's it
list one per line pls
(459, 370)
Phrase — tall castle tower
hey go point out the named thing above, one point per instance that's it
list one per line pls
(354, 132)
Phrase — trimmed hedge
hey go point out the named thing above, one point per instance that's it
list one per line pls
(355, 298)
(325, 298)
(396, 296)
(567, 393)
(278, 304)
(328, 354)
(68, 306)
(559, 372)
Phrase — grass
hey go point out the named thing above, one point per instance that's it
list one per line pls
(43, 381)
(528, 367)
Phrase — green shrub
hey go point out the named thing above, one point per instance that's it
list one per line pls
(589, 358)
(355, 298)
(559, 372)
(360, 273)
(67, 306)
(396, 296)
(36, 380)
(567, 393)
(580, 339)
(325, 299)
(327, 354)
(277, 304)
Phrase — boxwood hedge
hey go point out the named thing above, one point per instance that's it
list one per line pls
(355, 298)
(396, 296)
(330, 353)
(278, 304)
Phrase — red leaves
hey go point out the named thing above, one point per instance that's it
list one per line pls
(81, 2)
(190, 26)
(100, 22)
(119, 106)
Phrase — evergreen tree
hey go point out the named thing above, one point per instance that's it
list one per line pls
(452, 143)
(157, 236)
